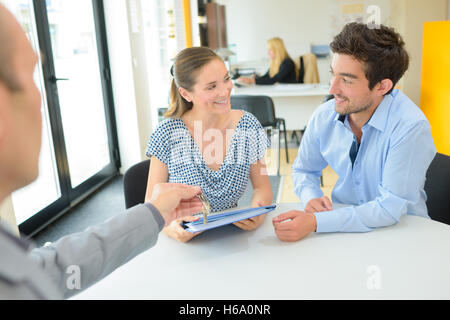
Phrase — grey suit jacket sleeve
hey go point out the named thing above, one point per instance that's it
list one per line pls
(77, 261)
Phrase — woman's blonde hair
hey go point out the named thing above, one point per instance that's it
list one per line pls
(277, 46)
(184, 71)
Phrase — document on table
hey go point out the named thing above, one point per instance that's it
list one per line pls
(223, 218)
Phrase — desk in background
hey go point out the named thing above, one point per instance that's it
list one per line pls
(410, 260)
(293, 102)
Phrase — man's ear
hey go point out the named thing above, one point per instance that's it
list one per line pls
(185, 94)
(384, 86)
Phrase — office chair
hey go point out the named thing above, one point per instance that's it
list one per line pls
(437, 188)
(328, 97)
(302, 131)
(135, 183)
(263, 109)
(301, 70)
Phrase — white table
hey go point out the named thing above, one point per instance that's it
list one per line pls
(410, 260)
(293, 102)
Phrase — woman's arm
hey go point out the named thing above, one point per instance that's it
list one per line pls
(262, 194)
(262, 190)
(265, 79)
(284, 74)
(157, 173)
(160, 173)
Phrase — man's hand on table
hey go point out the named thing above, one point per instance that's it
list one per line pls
(294, 225)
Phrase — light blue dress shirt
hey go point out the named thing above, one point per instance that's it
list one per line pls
(387, 178)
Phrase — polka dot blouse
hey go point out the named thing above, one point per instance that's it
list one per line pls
(172, 144)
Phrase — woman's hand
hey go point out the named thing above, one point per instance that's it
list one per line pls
(252, 223)
(176, 231)
(246, 80)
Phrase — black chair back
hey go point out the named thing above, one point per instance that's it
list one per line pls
(437, 188)
(328, 97)
(301, 71)
(135, 183)
(260, 106)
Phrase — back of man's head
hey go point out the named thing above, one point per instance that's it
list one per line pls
(7, 74)
(381, 49)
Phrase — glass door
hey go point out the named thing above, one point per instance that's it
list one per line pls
(77, 75)
(45, 190)
(80, 144)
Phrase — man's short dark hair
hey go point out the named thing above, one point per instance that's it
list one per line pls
(381, 49)
(7, 73)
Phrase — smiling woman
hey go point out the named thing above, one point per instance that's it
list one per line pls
(205, 143)
(184, 72)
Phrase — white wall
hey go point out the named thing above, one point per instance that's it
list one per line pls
(132, 75)
(251, 23)
(299, 23)
(129, 106)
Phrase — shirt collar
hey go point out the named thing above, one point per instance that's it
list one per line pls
(379, 117)
(339, 117)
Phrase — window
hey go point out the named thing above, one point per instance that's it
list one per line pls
(79, 151)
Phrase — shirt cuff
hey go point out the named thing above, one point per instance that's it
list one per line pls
(327, 221)
(157, 215)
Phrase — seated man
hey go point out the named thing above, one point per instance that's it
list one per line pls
(373, 136)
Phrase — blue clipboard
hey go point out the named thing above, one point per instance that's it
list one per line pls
(223, 218)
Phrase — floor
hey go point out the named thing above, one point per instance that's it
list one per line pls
(110, 200)
(97, 208)
(287, 192)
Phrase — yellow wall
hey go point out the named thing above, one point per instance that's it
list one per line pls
(435, 83)
(408, 17)
(187, 23)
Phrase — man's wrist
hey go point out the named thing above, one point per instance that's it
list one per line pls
(314, 222)
(157, 215)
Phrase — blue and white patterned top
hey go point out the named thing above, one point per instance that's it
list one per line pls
(172, 144)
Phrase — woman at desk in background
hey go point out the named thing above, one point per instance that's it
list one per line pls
(282, 67)
(205, 143)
